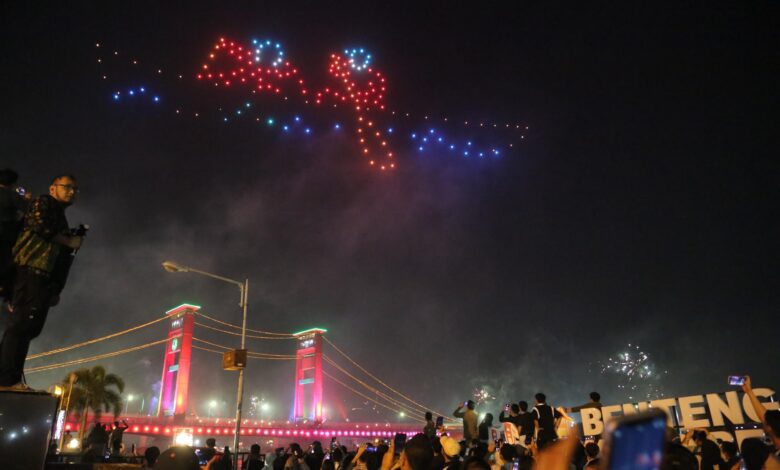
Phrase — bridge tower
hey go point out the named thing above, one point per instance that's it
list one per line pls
(308, 375)
(176, 365)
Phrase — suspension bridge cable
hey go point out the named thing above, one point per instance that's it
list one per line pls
(406, 410)
(272, 333)
(33, 370)
(364, 396)
(250, 357)
(284, 356)
(379, 393)
(239, 334)
(93, 341)
(44, 368)
(378, 380)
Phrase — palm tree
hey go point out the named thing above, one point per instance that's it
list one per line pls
(97, 391)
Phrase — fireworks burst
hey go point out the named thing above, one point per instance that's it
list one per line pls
(482, 395)
(254, 406)
(636, 373)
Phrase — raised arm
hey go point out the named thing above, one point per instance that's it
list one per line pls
(575, 409)
(388, 458)
(747, 387)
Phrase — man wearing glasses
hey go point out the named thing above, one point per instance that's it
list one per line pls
(43, 242)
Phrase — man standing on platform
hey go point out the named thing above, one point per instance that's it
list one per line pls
(544, 419)
(42, 254)
(469, 421)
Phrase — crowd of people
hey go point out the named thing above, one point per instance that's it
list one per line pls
(105, 439)
(529, 440)
(528, 434)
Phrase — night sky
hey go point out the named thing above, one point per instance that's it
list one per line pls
(641, 208)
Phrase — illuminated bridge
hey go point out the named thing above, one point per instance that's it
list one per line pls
(171, 414)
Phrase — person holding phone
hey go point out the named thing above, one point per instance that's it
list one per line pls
(430, 427)
(770, 419)
(296, 460)
(416, 455)
(511, 409)
(315, 455)
(361, 458)
(469, 416)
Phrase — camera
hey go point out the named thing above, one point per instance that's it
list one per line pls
(80, 231)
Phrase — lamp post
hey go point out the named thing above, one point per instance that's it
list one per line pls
(127, 402)
(243, 287)
(71, 380)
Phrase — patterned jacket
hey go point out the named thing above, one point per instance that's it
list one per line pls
(35, 248)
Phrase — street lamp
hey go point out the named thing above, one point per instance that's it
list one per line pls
(72, 378)
(243, 287)
(127, 402)
(212, 405)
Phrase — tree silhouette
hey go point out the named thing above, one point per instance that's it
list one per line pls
(95, 390)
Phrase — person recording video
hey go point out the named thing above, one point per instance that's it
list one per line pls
(469, 417)
(42, 256)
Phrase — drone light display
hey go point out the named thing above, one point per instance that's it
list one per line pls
(353, 98)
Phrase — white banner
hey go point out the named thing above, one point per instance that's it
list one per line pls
(710, 411)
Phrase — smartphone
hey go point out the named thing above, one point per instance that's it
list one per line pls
(515, 464)
(736, 380)
(507, 407)
(201, 458)
(334, 444)
(466, 403)
(399, 441)
(636, 442)
(370, 448)
(440, 421)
